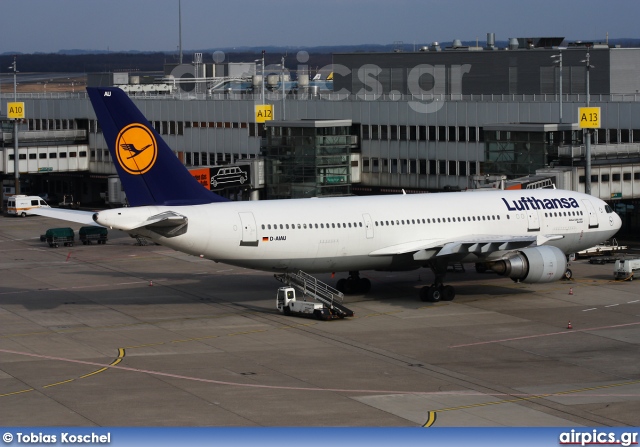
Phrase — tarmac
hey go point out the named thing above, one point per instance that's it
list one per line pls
(139, 335)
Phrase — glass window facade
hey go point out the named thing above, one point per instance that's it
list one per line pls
(307, 161)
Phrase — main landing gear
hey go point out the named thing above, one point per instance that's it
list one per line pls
(437, 291)
(353, 284)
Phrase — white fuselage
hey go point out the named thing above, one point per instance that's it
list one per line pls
(373, 232)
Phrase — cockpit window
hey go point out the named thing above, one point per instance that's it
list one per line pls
(608, 209)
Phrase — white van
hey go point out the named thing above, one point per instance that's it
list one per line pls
(20, 205)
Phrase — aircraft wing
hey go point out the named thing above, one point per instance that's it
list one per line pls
(478, 244)
(78, 216)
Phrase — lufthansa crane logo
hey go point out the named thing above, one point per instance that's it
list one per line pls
(136, 149)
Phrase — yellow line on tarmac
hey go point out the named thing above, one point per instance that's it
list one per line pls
(58, 383)
(16, 392)
(431, 420)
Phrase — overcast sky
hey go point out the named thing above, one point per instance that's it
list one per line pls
(30, 26)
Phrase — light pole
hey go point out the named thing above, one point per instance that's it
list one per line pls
(283, 90)
(16, 156)
(559, 62)
(263, 79)
(587, 136)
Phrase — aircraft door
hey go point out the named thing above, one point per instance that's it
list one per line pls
(249, 233)
(534, 220)
(368, 223)
(593, 217)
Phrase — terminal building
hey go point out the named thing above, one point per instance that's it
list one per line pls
(431, 120)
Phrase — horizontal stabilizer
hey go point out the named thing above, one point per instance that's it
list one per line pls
(78, 216)
(167, 220)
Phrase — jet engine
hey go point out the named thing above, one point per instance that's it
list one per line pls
(532, 265)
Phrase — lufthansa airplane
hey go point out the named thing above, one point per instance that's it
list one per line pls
(525, 235)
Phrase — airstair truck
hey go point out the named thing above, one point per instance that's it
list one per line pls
(625, 268)
(288, 304)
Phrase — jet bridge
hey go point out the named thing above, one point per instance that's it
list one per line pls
(310, 286)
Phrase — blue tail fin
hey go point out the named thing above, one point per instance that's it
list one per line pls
(150, 172)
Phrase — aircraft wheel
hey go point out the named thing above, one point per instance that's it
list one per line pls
(434, 294)
(448, 293)
(350, 286)
(364, 285)
(568, 274)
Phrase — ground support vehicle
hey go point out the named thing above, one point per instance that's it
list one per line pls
(288, 304)
(56, 236)
(21, 205)
(625, 268)
(318, 299)
(606, 248)
(603, 260)
(68, 202)
(90, 234)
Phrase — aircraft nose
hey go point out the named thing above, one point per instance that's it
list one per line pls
(616, 220)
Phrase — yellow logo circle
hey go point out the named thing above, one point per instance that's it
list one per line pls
(136, 149)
